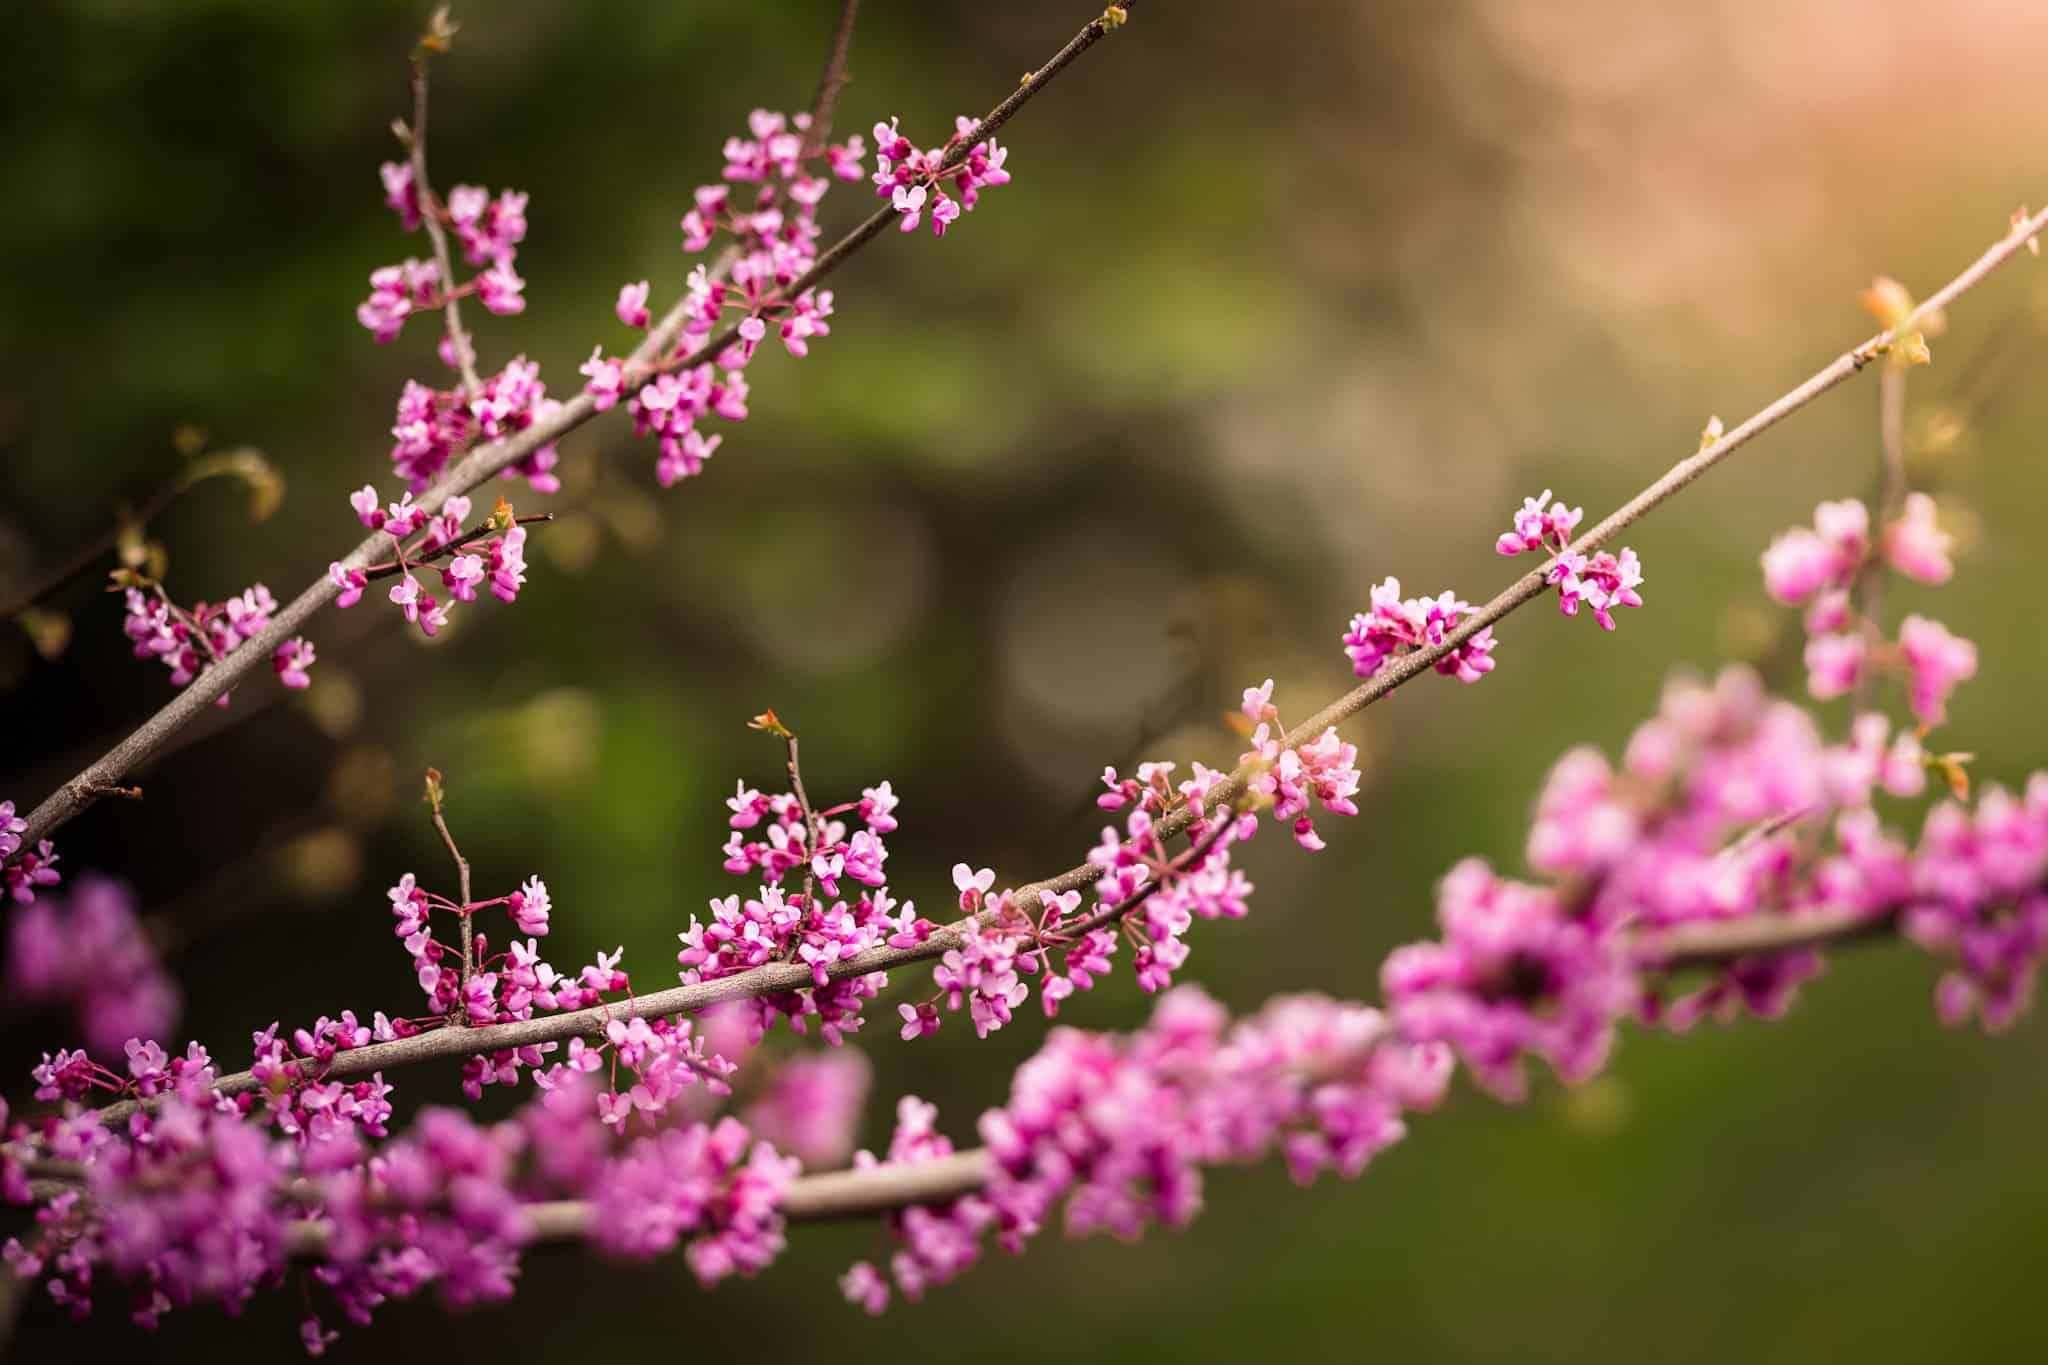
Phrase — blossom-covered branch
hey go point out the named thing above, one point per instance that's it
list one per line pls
(487, 461)
(778, 978)
(882, 1188)
(1695, 874)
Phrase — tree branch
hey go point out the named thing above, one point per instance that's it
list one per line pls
(858, 1193)
(480, 464)
(1713, 945)
(809, 1199)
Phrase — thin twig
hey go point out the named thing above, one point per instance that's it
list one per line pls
(90, 553)
(833, 78)
(480, 464)
(434, 800)
(811, 827)
(430, 214)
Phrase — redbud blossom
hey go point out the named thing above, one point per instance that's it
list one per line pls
(86, 952)
(1602, 581)
(291, 660)
(1916, 546)
(1395, 626)
(1936, 661)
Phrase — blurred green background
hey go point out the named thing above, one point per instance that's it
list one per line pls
(1283, 300)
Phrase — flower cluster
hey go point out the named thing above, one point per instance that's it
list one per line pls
(396, 292)
(1728, 806)
(1325, 768)
(840, 908)
(671, 405)
(1513, 975)
(1818, 567)
(1980, 895)
(1396, 626)
(915, 181)
(87, 952)
(21, 873)
(490, 231)
(433, 425)
(663, 1057)
(1602, 581)
(188, 640)
(1118, 1129)
(1145, 893)
(810, 1105)
(192, 1203)
(714, 1181)
(472, 560)
(775, 243)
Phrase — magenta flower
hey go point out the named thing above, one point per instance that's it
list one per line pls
(812, 1105)
(1935, 662)
(1916, 546)
(1396, 626)
(291, 660)
(86, 952)
(396, 292)
(401, 193)
(1834, 664)
(529, 906)
(490, 230)
(1602, 581)
(1801, 562)
(1538, 529)
(501, 290)
(1514, 974)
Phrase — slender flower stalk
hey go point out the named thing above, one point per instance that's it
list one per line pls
(431, 210)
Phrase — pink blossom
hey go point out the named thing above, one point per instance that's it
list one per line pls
(1801, 562)
(490, 230)
(1916, 546)
(1513, 974)
(1538, 529)
(291, 660)
(350, 581)
(500, 290)
(529, 906)
(86, 952)
(632, 305)
(401, 193)
(812, 1105)
(607, 379)
(1834, 664)
(1935, 662)
(396, 292)
(1395, 626)
(908, 200)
